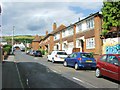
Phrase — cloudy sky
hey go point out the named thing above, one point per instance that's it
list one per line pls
(31, 18)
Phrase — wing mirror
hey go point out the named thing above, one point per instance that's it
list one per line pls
(68, 57)
(116, 64)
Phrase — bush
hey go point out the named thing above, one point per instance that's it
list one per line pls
(7, 49)
(43, 52)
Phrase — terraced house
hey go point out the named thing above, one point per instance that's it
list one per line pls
(83, 35)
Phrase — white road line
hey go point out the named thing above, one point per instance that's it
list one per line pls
(54, 71)
(27, 83)
(36, 58)
(19, 76)
(78, 79)
(84, 82)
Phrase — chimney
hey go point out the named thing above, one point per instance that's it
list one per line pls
(54, 26)
(46, 32)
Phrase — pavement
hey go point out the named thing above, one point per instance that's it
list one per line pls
(10, 77)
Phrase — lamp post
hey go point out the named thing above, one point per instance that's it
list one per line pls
(13, 39)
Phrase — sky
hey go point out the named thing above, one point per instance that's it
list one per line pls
(35, 17)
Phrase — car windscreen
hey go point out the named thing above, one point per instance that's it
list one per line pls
(86, 55)
(38, 51)
(61, 53)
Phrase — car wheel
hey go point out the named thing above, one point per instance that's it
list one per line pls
(97, 73)
(65, 64)
(76, 66)
(48, 60)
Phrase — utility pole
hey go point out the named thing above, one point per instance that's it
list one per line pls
(13, 39)
(1, 48)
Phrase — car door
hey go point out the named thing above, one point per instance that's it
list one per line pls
(102, 64)
(69, 59)
(73, 59)
(112, 67)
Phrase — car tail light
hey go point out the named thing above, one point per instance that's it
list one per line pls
(79, 58)
(55, 55)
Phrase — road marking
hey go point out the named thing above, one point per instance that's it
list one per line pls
(54, 71)
(19, 76)
(27, 83)
(36, 58)
(84, 82)
(78, 79)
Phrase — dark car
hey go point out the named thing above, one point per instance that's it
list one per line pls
(37, 53)
(80, 60)
(109, 65)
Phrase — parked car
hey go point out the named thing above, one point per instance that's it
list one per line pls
(57, 56)
(80, 60)
(37, 53)
(109, 65)
(28, 52)
(31, 52)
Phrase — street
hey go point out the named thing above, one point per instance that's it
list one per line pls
(36, 72)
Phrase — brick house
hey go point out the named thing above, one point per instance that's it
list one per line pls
(84, 35)
(47, 43)
(35, 43)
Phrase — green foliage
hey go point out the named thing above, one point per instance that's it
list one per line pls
(7, 48)
(23, 39)
(43, 52)
(104, 32)
(111, 14)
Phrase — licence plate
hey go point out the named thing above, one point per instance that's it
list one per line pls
(88, 61)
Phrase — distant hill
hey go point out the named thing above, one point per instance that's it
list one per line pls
(20, 38)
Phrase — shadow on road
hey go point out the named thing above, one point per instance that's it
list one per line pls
(10, 77)
(35, 75)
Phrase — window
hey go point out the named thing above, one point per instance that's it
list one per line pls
(74, 55)
(61, 53)
(65, 45)
(90, 43)
(112, 59)
(70, 31)
(86, 55)
(79, 27)
(90, 23)
(103, 58)
(63, 33)
(55, 37)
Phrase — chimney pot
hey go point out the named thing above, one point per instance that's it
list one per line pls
(54, 26)
(46, 32)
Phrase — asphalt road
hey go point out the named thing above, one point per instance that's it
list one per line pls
(37, 72)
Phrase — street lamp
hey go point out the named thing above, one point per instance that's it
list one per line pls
(13, 39)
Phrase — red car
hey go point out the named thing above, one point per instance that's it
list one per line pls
(109, 65)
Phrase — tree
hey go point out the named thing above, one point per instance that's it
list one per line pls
(111, 15)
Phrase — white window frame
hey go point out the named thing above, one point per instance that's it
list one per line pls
(90, 43)
(90, 23)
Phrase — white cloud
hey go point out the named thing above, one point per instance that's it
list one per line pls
(40, 16)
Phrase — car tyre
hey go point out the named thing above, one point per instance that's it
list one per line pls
(65, 64)
(97, 73)
(76, 66)
(48, 60)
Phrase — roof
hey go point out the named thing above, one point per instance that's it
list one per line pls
(37, 38)
(95, 14)
(61, 27)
